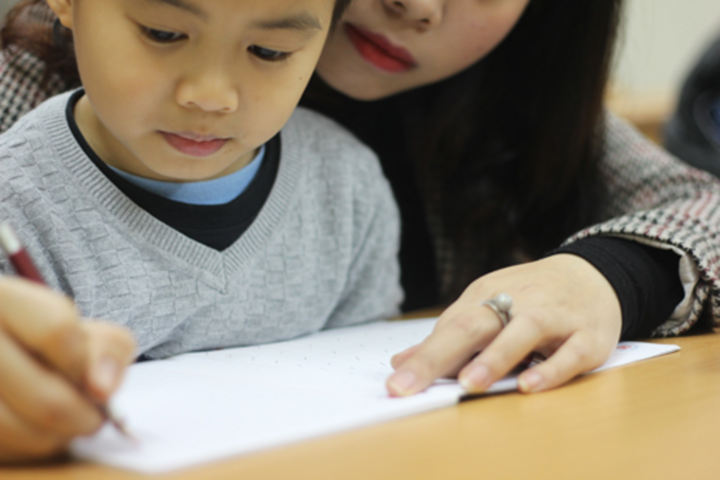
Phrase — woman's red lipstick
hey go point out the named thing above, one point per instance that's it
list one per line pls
(378, 50)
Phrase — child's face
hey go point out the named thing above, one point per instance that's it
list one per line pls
(189, 89)
(383, 47)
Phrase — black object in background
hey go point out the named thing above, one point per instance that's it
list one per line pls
(693, 132)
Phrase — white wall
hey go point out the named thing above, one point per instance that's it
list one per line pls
(4, 5)
(661, 41)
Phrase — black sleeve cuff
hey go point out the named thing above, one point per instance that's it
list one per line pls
(645, 279)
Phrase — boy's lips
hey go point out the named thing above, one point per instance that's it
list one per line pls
(193, 144)
(379, 51)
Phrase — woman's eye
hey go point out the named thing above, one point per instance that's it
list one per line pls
(161, 36)
(267, 54)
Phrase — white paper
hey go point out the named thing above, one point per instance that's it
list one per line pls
(625, 352)
(199, 407)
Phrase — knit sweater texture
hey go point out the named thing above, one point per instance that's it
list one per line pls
(321, 253)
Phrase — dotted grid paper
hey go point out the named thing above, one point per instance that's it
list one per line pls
(199, 407)
(205, 406)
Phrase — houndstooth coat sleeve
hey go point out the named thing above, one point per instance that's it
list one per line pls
(21, 90)
(21, 75)
(656, 199)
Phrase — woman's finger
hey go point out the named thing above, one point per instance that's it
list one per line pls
(45, 323)
(21, 443)
(505, 352)
(40, 397)
(579, 354)
(111, 349)
(445, 350)
(399, 358)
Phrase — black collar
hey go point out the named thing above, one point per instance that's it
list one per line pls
(216, 226)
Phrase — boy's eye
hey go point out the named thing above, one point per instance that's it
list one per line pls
(267, 54)
(161, 36)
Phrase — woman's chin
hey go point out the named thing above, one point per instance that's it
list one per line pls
(359, 87)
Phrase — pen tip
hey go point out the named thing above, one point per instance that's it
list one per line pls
(120, 426)
(117, 423)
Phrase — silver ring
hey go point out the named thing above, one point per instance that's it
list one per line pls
(500, 304)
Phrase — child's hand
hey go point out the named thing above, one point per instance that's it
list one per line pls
(50, 362)
(562, 307)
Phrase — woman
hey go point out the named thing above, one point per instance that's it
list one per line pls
(487, 116)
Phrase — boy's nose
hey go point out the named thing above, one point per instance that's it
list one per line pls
(208, 91)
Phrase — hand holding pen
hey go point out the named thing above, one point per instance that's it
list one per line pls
(56, 371)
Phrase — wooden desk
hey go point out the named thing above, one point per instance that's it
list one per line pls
(658, 419)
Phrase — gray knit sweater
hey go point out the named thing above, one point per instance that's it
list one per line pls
(320, 254)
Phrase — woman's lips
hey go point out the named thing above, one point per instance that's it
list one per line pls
(378, 50)
(194, 145)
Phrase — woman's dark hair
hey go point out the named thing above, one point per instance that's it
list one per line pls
(505, 153)
(29, 27)
(517, 138)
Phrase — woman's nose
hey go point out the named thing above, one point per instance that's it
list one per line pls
(422, 13)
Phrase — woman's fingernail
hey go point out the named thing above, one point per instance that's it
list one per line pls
(529, 382)
(403, 383)
(475, 378)
(106, 373)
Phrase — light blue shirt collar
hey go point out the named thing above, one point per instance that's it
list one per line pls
(209, 192)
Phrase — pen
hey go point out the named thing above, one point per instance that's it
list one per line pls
(25, 267)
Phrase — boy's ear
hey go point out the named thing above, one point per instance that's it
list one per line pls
(63, 10)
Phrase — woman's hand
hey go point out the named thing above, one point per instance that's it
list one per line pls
(563, 308)
(50, 363)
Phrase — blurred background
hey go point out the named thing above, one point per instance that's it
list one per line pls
(4, 5)
(662, 39)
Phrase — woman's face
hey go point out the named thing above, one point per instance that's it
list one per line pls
(383, 47)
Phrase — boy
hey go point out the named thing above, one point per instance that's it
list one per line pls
(162, 198)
